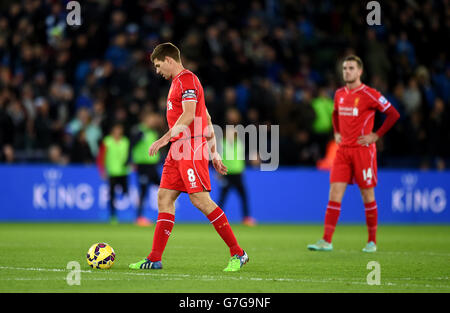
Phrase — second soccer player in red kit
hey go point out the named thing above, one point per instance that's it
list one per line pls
(186, 166)
(355, 106)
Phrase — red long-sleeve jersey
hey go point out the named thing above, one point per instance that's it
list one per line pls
(354, 113)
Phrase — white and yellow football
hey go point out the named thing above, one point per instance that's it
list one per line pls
(101, 256)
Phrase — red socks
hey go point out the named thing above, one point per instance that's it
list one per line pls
(332, 216)
(331, 219)
(371, 220)
(163, 228)
(223, 228)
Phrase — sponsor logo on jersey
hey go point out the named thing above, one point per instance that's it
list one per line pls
(348, 111)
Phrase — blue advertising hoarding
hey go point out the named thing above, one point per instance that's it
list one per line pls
(287, 195)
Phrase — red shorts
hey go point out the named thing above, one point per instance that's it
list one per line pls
(186, 166)
(355, 164)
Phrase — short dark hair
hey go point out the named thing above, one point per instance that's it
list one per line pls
(354, 58)
(164, 50)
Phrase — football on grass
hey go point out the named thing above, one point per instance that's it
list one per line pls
(101, 255)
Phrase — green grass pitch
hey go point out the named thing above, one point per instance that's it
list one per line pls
(34, 257)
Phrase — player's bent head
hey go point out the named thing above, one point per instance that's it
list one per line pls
(164, 50)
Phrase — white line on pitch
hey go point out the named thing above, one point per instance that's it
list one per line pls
(240, 278)
(39, 269)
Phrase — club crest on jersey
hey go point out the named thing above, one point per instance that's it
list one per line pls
(355, 107)
(169, 105)
(341, 100)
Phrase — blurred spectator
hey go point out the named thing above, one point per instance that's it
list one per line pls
(234, 160)
(118, 53)
(323, 107)
(442, 83)
(438, 132)
(113, 163)
(405, 47)
(56, 156)
(376, 59)
(412, 97)
(7, 154)
(61, 95)
(18, 117)
(43, 125)
(81, 151)
(91, 132)
(143, 136)
(426, 90)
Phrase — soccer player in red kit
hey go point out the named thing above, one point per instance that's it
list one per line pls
(355, 106)
(186, 166)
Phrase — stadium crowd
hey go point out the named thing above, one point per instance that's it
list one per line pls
(277, 62)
